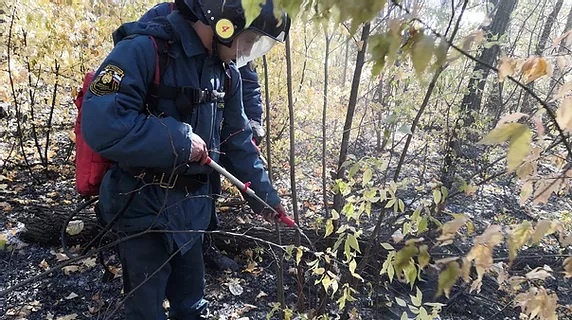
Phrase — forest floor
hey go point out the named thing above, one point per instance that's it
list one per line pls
(78, 292)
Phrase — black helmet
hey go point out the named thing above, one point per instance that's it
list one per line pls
(228, 22)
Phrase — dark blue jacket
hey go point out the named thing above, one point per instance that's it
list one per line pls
(251, 94)
(117, 124)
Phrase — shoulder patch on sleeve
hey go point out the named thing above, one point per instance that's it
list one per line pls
(107, 81)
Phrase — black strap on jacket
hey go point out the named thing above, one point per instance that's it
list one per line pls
(186, 98)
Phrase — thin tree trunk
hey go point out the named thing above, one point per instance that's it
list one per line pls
(267, 100)
(328, 39)
(344, 77)
(292, 161)
(360, 60)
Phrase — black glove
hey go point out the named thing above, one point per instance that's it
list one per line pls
(258, 132)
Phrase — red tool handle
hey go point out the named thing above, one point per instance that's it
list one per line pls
(287, 220)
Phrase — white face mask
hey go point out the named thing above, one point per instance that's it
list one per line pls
(250, 45)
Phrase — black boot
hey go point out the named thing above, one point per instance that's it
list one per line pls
(214, 259)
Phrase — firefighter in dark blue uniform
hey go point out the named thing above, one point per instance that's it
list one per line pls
(251, 93)
(252, 103)
(161, 143)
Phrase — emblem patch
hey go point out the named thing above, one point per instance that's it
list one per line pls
(224, 28)
(107, 81)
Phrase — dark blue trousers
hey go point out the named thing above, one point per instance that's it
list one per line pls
(152, 271)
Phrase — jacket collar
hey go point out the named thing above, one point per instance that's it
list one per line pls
(190, 41)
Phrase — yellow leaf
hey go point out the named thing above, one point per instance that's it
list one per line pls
(561, 62)
(561, 37)
(400, 302)
(424, 258)
(466, 270)
(403, 257)
(501, 133)
(476, 38)
(299, 254)
(564, 114)
(564, 90)
(353, 242)
(69, 269)
(506, 68)
(44, 264)
(544, 189)
(441, 53)
(519, 147)
(538, 274)
(526, 192)
(567, 266)
(511, 118)
(329, 228)
(517, 237)
(421, 52)
(534, 68)
(483, 257)
(3, 240)
(448, 278)
(543, 228)
(367, 176)
(491, 237)
(436, 196)
(252, 9)
(450, 229)
(537, 302)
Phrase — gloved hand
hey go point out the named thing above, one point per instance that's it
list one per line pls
(278, 216)
(258, 132)
(199, 151)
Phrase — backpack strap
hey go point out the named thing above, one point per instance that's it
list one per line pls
(161, 61)
(186, 98)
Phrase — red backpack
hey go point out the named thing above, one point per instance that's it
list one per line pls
(90, 167)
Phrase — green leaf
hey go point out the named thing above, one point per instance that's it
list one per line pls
(390, 273)
(252, 9)
(353, 170)
(448, 278)
(519, 137)
(436, 196)
(3, 240)
(423, 225)
(390, 203)
(299, 254)
(519, 147)
(367, 176)
(400, 302)
(501, 133)
(410, 273)
(291, 6)
(444, 192)
(526, 192)
(422, 52)
(441, 53)
(329, 228)
(424, 258)
(403, 257)
(352, 240)
(387, 246)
